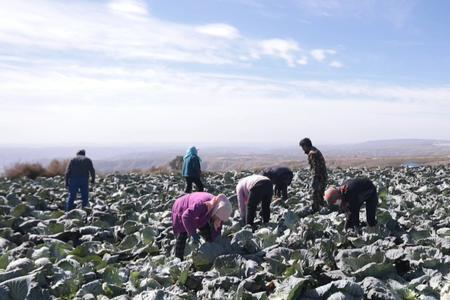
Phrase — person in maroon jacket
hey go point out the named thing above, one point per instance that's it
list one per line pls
(350, 196)
(201, 212)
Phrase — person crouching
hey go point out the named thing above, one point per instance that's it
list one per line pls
(350, 196)
(251, 191)
(198, 212)
(281, 177)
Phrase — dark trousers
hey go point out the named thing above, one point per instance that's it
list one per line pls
(197, 181)
(371, 199)
(261, 193)
(281, 190)
(78, 184)
(318, 189)
(180, 243)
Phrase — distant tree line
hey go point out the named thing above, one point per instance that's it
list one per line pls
(58, 167)
(35, 170)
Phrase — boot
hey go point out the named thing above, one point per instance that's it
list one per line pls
(373, 229)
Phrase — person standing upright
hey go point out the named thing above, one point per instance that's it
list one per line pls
(318, 171)
(77, 179)
(192, 170)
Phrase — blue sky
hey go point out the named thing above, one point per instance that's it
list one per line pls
(223, 71)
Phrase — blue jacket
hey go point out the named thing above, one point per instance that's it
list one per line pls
(191, 163)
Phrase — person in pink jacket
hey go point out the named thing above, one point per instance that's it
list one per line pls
(251, 191)
(201, 212)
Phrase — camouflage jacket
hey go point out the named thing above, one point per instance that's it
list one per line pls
(317, 164)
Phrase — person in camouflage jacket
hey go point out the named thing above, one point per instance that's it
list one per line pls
(318, 170)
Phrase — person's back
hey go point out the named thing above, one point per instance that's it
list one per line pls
(355, 190)
(80, 166)
(77, 179)
(350, 196)
(279, 174)
(247, 183)
(191, 170)
(281, 177)
(191, 167)
(251, 191)
(193, 202)
(317, 163)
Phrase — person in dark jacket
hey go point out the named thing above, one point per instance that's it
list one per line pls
(77, 179)
(350, 196)
(318, 170)
(281, 177)
(191, 170)
(198, 212)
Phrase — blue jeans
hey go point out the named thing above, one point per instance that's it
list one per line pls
(78, 184)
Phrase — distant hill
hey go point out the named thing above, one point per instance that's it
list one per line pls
(403, 147)
(216, 158)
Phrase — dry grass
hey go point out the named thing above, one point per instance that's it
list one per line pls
(35, 170)
(57, 167)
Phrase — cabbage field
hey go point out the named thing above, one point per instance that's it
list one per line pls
(121, 247)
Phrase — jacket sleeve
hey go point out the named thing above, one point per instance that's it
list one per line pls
(68, 171)
(313, 162)
(91, 170)
(241, 196)
(189, 215)
(215, 233)
(184, 168)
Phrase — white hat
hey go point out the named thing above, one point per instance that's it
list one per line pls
(223, 208)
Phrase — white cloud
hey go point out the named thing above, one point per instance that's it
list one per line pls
(219, 30)
(321, 54)
(396, 12)
(90, 28)
(336, 64)
(125, 30)
(128, 7)
(302, 61)
(157, 104)
(281, 48)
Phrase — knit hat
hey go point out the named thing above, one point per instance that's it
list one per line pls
(223, 208)
(332, 195)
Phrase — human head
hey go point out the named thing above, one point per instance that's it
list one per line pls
(222, 209)
(192, 151)
(306, 145)
(81, 152)
(332, 195)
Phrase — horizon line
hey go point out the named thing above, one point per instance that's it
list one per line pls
(207, 144)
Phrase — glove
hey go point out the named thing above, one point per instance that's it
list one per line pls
(196, 238)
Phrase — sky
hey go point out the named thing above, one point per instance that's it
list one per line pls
(223, 72)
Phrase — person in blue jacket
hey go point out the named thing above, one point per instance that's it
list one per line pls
(191, 170)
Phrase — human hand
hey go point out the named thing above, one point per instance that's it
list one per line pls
(196, 238)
